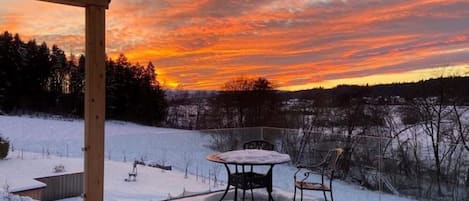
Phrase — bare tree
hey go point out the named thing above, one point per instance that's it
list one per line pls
(433, 116)
(247, 102)
(462, 128)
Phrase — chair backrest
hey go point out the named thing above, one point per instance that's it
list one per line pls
(258, 144)
(333, 157)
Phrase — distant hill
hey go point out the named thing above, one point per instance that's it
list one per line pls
(451, 87)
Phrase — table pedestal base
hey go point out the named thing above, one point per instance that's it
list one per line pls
(248, 181)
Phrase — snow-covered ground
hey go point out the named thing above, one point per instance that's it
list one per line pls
(128, 141)
(11, 197)
(19, 170)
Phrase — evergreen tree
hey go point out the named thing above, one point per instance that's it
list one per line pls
(36, 78)
(58, 71)
(151, 72)
(77, 76)
(44, 65)
(9, 62)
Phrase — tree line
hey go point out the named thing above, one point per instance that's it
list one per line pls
(35, 78)
(418, 148)
(454, 86)
(241, 102)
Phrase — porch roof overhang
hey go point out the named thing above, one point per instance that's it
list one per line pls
(82, 3)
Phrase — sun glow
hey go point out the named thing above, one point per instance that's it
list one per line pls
(409, 76)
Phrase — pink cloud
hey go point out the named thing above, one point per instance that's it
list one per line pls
(201, 44)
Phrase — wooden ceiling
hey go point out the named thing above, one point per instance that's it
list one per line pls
(82, 3)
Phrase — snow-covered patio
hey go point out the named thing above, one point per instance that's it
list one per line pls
(32, 138)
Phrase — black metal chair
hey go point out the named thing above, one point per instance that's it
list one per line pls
(252, 180)
(326, 168)
(258, 144)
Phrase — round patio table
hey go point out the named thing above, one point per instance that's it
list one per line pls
(248, 180)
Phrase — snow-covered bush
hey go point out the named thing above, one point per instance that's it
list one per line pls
(4, 147)
(4, 196)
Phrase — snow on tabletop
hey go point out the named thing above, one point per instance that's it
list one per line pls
(254, 156)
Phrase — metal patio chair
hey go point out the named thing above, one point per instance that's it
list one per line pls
(326, 168)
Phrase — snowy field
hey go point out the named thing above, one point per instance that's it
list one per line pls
(62, 141)
(19, 169)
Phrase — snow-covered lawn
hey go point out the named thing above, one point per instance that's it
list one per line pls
(128, 141)
(152, 184)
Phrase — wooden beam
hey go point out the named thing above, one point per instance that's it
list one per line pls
(94, 94)
(94, 103)
(82, 3)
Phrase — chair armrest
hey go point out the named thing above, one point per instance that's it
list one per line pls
(304, 177)
(301, 166)
(309, 170)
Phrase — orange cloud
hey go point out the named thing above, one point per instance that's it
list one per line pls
(202, 44)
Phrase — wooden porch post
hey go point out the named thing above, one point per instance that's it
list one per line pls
(94, 103)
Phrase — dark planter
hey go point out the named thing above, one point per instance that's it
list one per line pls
(4, 146)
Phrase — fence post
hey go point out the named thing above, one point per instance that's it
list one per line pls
(262, 133)
(467, 178)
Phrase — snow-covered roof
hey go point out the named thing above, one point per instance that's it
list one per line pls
(19, 174)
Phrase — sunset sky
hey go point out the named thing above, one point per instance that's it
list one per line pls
(297, 44)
